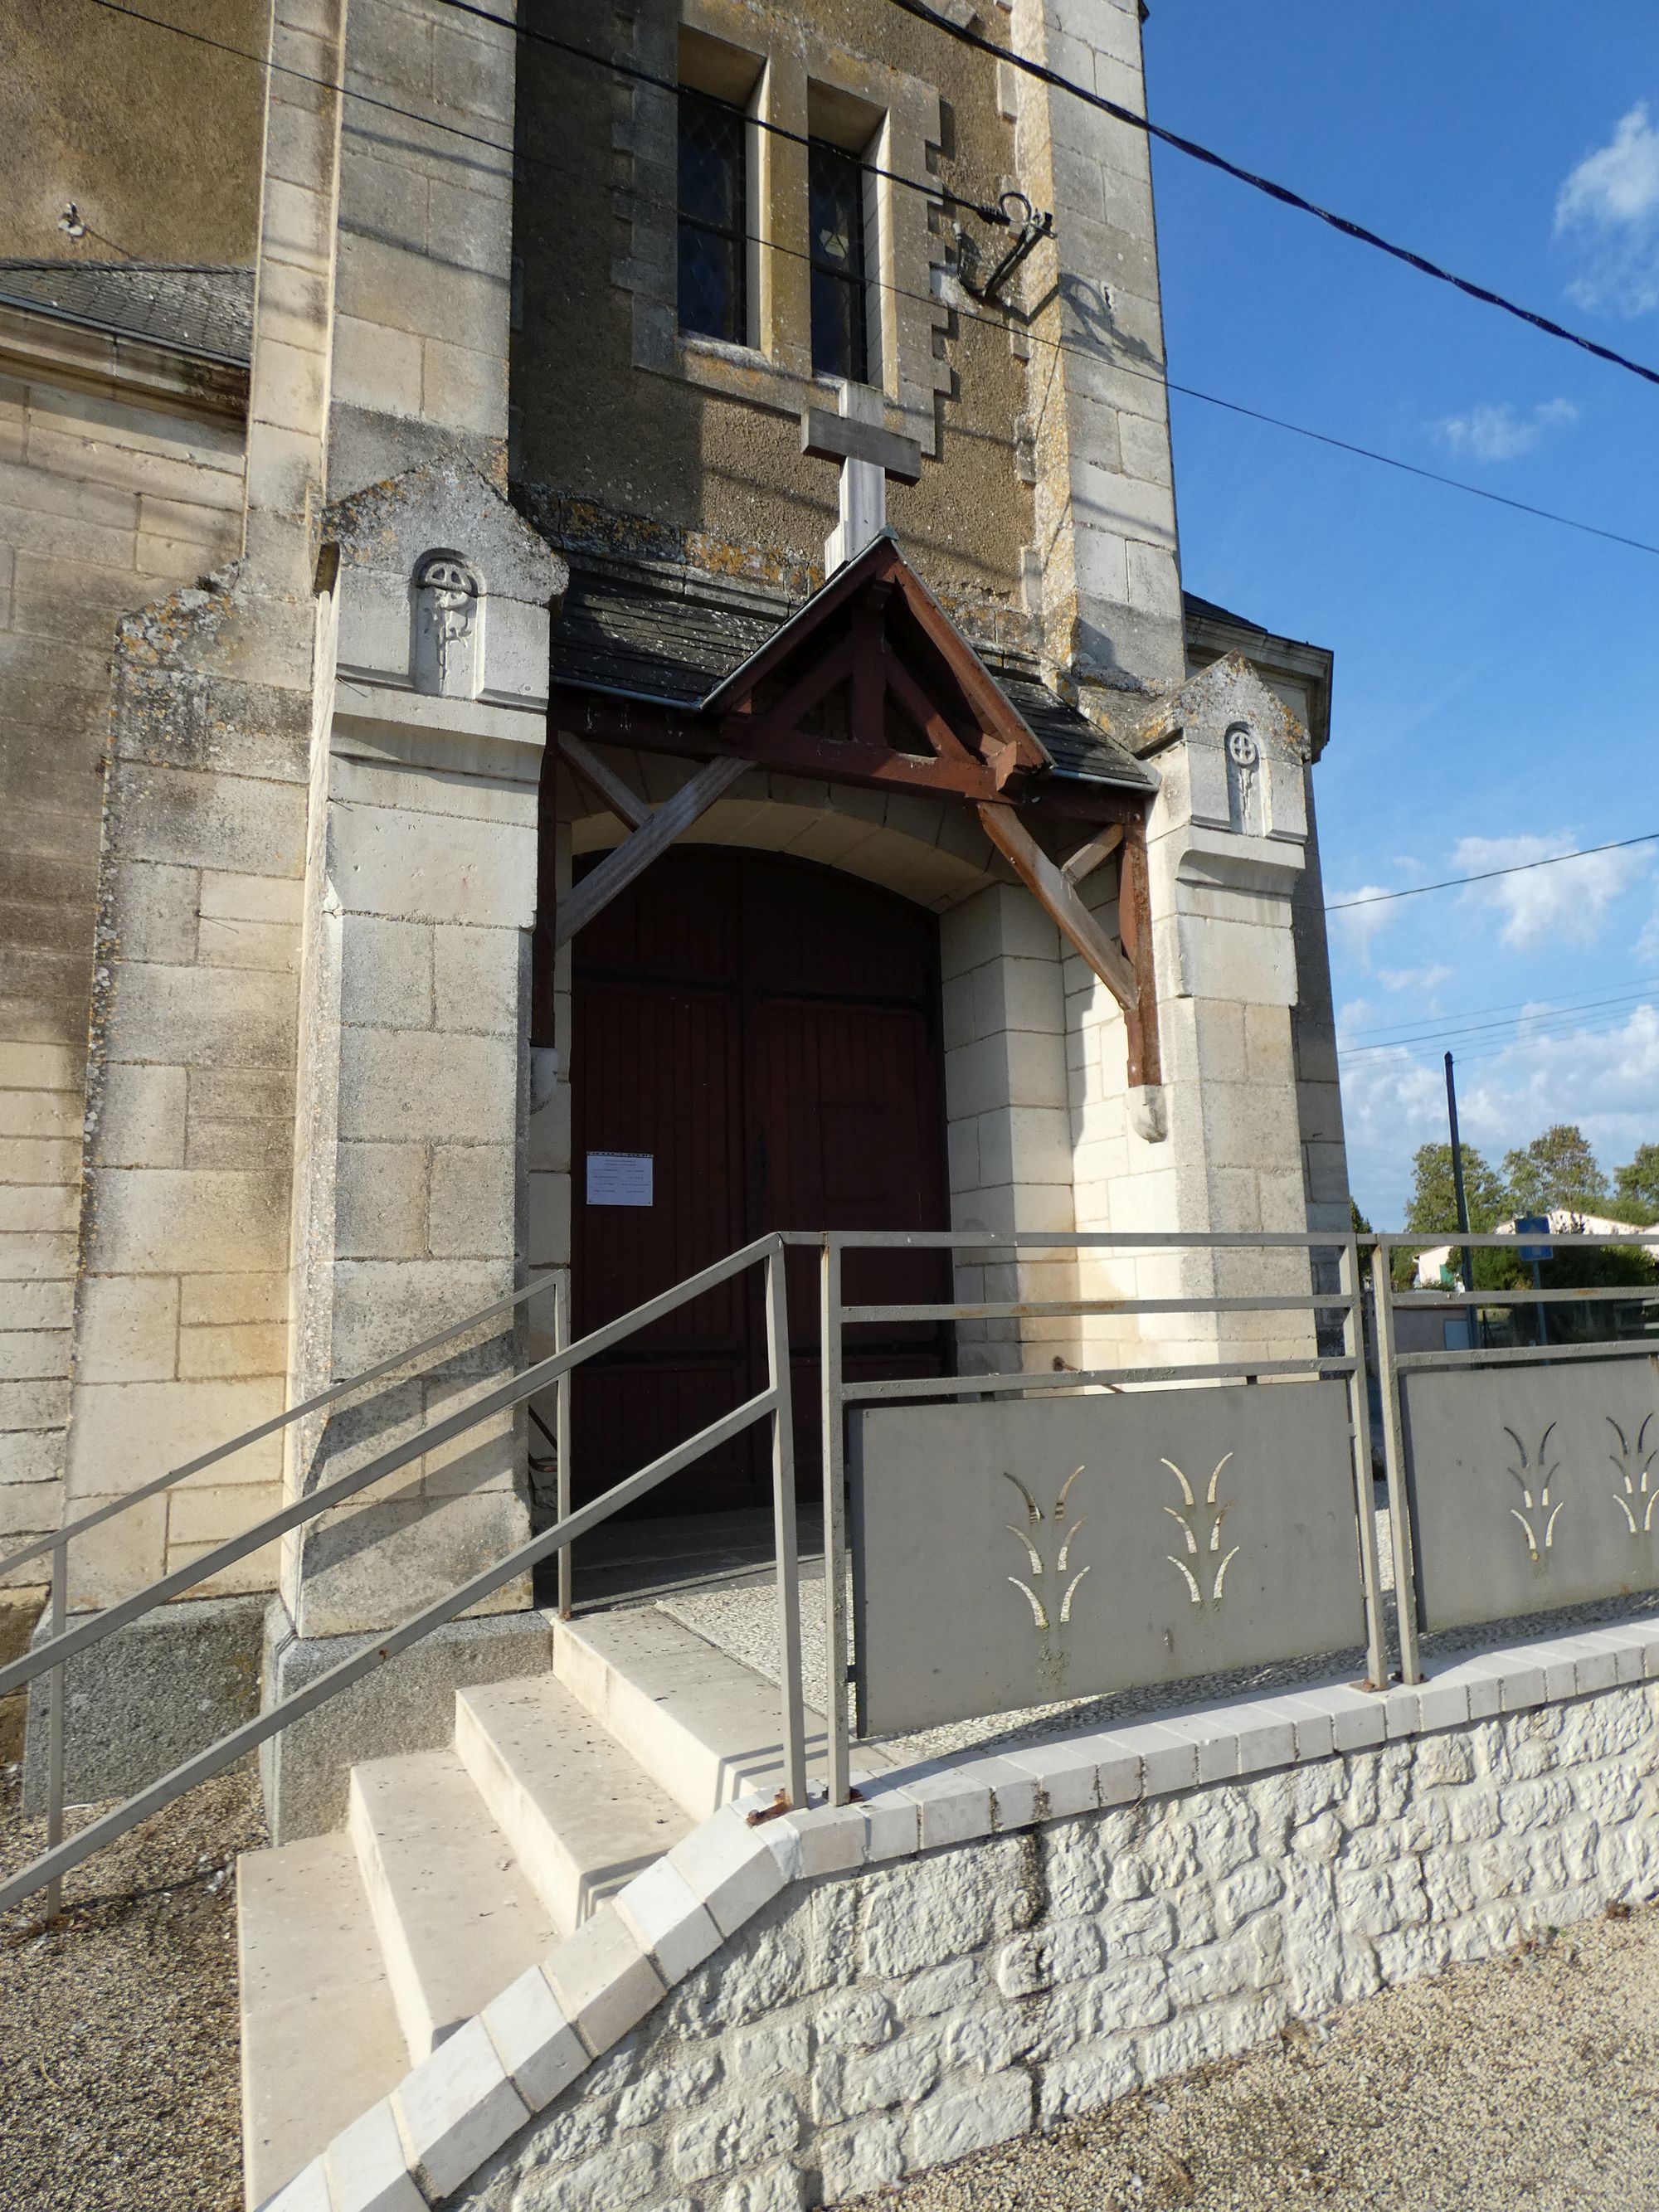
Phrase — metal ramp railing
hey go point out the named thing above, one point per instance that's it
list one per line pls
(1412, 1490)
(64, 1643)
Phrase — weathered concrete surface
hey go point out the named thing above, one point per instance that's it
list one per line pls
(99, 110)
(19, 1611)
(147, 1697)
(407, 1704)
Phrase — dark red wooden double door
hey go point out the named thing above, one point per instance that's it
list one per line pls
(766, 1033)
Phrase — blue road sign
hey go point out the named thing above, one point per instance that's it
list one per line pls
(1534, 1224)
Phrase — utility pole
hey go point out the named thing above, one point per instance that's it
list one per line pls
(1457, 1185)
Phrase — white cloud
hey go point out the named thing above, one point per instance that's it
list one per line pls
(1355, 1014)
(1360, 925)
(1565, 904)
(1611, 203)
(1427, 980)
(1500, 434)
(1606, 1080)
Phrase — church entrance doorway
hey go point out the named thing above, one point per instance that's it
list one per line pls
(755, 1046)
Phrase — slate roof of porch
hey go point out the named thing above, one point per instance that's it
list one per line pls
(654, 640)
(185, 306)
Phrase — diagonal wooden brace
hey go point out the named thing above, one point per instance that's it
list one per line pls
(625, 862)
(630, 810)
(1057, 895)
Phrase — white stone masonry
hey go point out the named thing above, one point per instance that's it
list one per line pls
(797, 2013)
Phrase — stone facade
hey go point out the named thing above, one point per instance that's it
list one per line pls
(123, 479)
(275, 1101)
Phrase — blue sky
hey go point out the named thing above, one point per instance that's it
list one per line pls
(1495, 676)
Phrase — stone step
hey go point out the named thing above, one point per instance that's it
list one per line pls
(321, 2040)
(579, 1812)
(703, 1725)
(456, 1920)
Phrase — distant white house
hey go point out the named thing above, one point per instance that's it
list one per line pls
(1563, 1221)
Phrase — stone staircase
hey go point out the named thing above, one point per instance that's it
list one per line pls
(361, 1951)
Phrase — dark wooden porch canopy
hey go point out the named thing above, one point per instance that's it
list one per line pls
(868, 682)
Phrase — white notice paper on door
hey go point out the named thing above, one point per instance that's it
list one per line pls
(619, 1178)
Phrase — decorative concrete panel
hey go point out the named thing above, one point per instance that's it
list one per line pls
(1532, 1487)
(1010, 1555)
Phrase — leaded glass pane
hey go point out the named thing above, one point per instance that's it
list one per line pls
(712, 212)
(836, 193)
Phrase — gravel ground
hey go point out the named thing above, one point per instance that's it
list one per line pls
(1529, 2081)
(119, 2057)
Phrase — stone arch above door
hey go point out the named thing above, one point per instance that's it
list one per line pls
(931, 851)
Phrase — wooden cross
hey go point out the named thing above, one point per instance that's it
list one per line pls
(868, 454)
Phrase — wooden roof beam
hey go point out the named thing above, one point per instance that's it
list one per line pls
(1089, 856)
(1057, 895)
(602, 780)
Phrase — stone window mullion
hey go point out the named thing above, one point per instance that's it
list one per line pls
(784, 333)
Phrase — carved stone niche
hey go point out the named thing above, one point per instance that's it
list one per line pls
(447, 594)
(1239, 768)
(1229, 836)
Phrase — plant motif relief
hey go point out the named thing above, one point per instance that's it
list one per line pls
(1535, 1477)
(1203, 1546)
(1633, 1464)
(1043, 1573)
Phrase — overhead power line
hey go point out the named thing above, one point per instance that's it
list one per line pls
(934, 191)
(1282, 193)
(1514, 1006)
(1545, 1017)
(1555, 1029)
(1413, 469)
(1487, 875)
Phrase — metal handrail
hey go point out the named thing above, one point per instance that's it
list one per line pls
(533, 1381)
(774, 1402)
(65, 1645)
(1503, 1241)
(253, 1436)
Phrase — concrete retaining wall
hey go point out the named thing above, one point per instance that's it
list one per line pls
(787, 2014)
(867, 2026)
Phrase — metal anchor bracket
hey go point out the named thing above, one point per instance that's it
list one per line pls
(1011, 208)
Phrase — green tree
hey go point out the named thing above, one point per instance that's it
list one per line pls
(1637, 1187)
(1433, 1209)
(1361, 1226)
(1434, 1194)
(1556, 1170)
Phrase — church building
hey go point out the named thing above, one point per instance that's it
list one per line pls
(595, 664)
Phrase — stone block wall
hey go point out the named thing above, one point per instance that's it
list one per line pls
(114, 489)
(417, 1006)
(182, 1305)
(420, 336)
(1008, 1126)
(1312, 1033)
(864, 2025)
(1109, 577)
